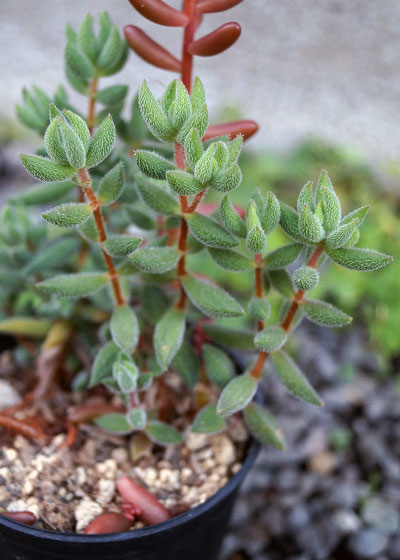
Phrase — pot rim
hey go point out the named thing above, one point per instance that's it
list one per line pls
(197, 511)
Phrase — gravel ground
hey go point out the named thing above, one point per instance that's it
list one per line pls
(303, 67)
(334, 494)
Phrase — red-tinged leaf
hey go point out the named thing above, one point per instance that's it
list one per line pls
(212, 6)
(149, 50)
(108, 523)
(232, 129)
(151, 510)
(217, 41)
(25, 517)
(159, 12)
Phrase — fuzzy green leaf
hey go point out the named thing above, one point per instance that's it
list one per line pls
(230, 338)
(181, 109)
(209, 232)
(155, 260)
(53, 255)
(74, 149)
(233, 222)
(186, 363)
(139, 218)
(153, 114)
(102, 143)
(112, 184)
(281, 281)
(207, 421)
(74, 285)
(25, 326)
(45, 169)
(340, 236)
(86, 38)
(112, 95)
(359, 259)
(271, 215)
(114, 423)
(262, 426)
(109, 54)
(204, 167)
(306, 197)
(193, 148)
(152, 164)
(125, 328)
(103, 363)
(228, 180)
(125, 372)
(218, 365)
(252, 219)
(198, 121)
(168, 336)
(331, 208)
(282, 257)
(183, 183)
(305, 278)
(157, 198)
(198, 95)
(78, 62)
(325, 314)
(137, 418)
(259, 309)
(230, 260)
(256, 240)
(68, 215)
(211, 300)
(221, 155)
(163, 433)
(291, 376)
(237, 395)
(270, 339)
(121, 245)
(360, 214)
(309, 225)
(44, 193)
(289, 221)
(80, 127)
(234, 149)
(54, 144)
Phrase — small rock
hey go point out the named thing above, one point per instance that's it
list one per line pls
(106, 491)
(223, 449)
(323, 463)
(120, 455)
(196, 441)
(346, 521)
(382, 515)
(86, 511)
(8, 395)
(298, 517)
(368, 543)
(18, 505)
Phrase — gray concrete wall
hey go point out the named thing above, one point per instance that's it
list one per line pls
(328, 68)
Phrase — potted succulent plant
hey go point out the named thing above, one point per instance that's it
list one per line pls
(133, 347)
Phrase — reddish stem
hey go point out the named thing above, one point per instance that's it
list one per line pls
(259, 283)
(29, 430)
(86, 412)
(287, 322)
(189, 9)
(91, 120)
(86, 184)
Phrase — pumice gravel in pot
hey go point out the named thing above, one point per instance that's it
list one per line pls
(121, 336)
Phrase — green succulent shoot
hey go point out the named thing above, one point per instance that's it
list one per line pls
(113, 265)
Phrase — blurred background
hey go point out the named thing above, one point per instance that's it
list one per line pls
(323, 81)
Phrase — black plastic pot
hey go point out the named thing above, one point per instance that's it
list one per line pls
(194, 535)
